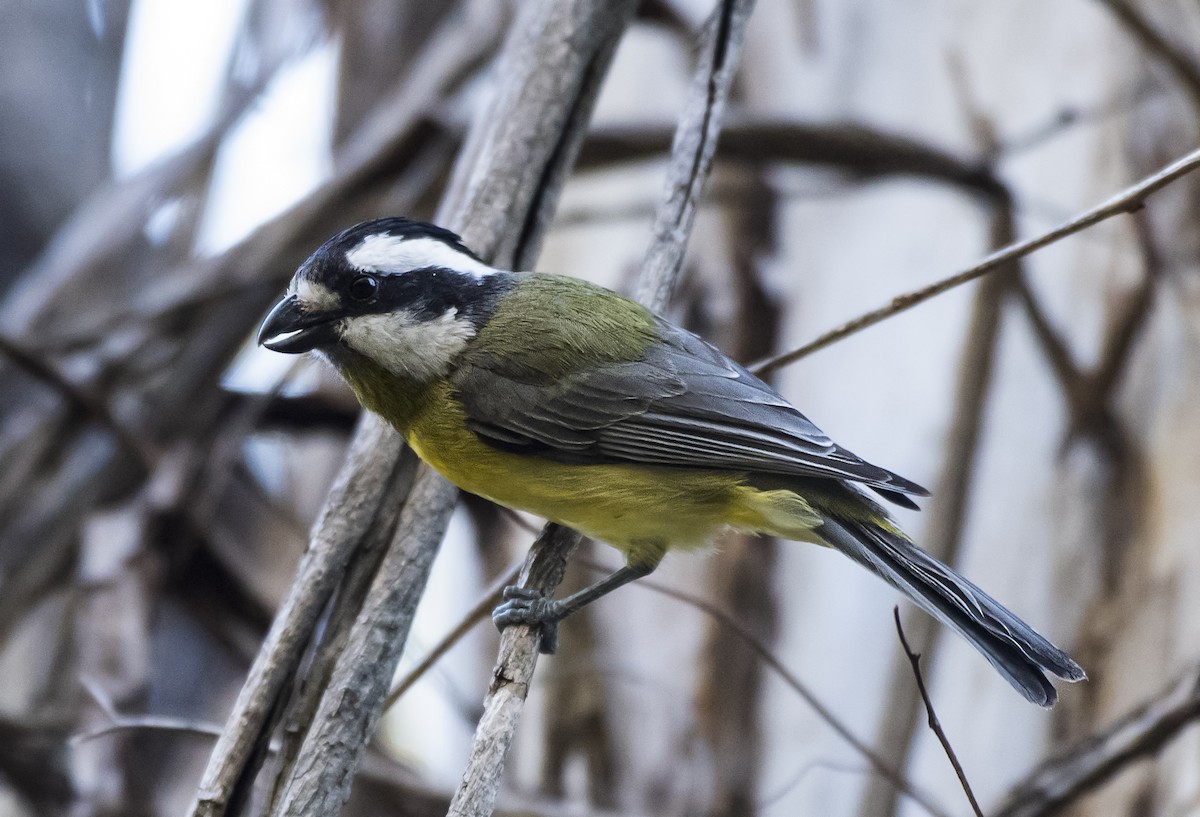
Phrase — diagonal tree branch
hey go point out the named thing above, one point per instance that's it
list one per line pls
(1061, 780)
(1181, 64)
(372, 459)
(935, 724)
(550, 73)
(1129, 200)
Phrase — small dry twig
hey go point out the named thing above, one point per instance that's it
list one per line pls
(1181, 64)
(119, 723)
(914, 660)
(96, 408)
(478, 612)
(771, 660)
(1127, 201)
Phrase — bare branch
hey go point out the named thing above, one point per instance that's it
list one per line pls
(914, 661)
(156, 723)
(511, 677)
(692, 152)
(502, 196)
(478, 612)
(118, 722)
(860, 150)
(771, 660)
(1127, 201)
(349, 513)
(93, 407)
(1185, 69)
(348, 711)
(1061, 780)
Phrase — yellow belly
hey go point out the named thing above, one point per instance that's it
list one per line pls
(637, 509)
(622, 505)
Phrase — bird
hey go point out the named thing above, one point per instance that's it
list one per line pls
(552, 395)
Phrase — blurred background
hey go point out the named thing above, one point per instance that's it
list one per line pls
(165, 165)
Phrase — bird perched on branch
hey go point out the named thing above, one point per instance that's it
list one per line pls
(555, 396)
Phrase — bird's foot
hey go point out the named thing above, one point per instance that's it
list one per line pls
(531, 608)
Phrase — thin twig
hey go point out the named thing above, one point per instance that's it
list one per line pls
(479, 612)
(118, 722)
(157, 723)
(1120, 103)
(771, 660)
(1127, 201)
(1186, 71)
(481, 609)
(914, 659)
(91, 406)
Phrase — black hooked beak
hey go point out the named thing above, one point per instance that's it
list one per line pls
(291, 330)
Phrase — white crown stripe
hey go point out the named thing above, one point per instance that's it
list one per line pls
(385, 253)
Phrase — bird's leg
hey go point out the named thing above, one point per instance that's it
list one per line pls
(523, 605)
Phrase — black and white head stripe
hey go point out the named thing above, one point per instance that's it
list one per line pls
(397, 245)
(397, 263)
(430, 293)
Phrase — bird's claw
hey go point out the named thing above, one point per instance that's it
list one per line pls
(529, 607)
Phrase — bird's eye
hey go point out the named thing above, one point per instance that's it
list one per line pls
(364, 288)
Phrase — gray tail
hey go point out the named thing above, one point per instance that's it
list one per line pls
(1018, 652)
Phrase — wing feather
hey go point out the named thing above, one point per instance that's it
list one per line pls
(685, 405)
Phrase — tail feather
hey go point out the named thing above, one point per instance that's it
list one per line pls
(1014, 648)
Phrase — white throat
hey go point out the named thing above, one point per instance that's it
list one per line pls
(405, 346)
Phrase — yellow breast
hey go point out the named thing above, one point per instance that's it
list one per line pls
(640, 510)
(625, 505)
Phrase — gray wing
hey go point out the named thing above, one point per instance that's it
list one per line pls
(686, 405)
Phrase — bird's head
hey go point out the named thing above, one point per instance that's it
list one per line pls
(404, 294)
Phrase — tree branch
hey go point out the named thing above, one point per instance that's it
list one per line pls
(1127, 201)
(1181, 64)
(914, 661)
(500, 200)
(96, 408)
(120, 723)
(349, 513)
(1061, 780)
(856, 149)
